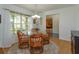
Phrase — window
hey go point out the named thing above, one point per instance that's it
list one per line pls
(18, 22)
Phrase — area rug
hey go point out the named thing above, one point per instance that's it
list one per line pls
(51, 48)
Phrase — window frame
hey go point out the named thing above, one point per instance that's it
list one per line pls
(13, 16)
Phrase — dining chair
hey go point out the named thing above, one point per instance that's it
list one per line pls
(45, 38)
(36, 44)
(22, 40)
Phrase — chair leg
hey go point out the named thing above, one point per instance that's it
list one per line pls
(31, 50)
(36, 50)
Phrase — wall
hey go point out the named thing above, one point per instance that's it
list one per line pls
(7, 38)
(66, 23)
(55, 22)
(77, 18)
(43, 22)
(1, 30)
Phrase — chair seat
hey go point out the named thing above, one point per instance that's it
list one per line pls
(37, 44)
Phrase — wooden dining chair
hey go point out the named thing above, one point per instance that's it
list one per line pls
(36, 44)
(22, 40)
(45, 38)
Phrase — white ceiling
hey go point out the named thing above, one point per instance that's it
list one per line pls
(43, 7)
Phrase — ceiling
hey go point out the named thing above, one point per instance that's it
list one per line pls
(43, 7)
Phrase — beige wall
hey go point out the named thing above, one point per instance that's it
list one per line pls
(66, 23)
(55, 19)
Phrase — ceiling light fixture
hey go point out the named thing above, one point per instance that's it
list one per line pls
(36, 16)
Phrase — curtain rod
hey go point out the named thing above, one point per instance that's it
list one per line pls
(16, 12)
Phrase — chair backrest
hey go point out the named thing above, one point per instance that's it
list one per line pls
(21, 36)
(36, 40)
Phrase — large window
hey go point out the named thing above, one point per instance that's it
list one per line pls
(18, 22)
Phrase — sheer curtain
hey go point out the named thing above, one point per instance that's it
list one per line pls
(19, 22)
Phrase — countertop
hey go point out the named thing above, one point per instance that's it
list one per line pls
(75, 33)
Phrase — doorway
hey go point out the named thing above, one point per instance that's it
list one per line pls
(49, 25)
(52, 25)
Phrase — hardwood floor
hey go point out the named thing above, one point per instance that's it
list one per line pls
(3, 50)
(64, 46)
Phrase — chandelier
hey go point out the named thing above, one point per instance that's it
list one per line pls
(36, 15)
